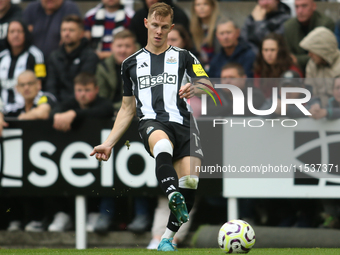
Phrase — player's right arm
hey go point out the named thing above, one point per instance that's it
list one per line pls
(122, 123)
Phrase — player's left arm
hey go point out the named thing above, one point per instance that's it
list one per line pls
(194, 70)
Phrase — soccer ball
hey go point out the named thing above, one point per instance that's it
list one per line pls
(236, 236)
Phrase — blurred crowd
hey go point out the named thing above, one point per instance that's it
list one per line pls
(56, 64)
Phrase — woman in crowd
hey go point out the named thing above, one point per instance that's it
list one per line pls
(19, 55)
(204, 14)
(272, 61)
(180, 38)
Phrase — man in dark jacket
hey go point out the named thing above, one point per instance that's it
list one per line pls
(137, 22)
(295, 29)
(43, 19)
(267, 17)
(234, 49)
(73, 57)
(84, 104)
(8, 12)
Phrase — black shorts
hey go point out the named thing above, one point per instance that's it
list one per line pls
(186, 140)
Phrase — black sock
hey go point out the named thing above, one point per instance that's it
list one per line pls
(166, 173)
(189, 196)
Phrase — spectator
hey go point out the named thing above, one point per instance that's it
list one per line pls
(137, 22)
(234, 74)
(18, 56)
(85, 104)
(324, 63)
(71, 58)
(108, 71)
(332, 110)
(295, 29)
(337, 32)
(204, 14)
(268, 16)
(180, 37)
(8, 12)
(38, 104)
(44, 18)
(330, 215)
(290, 79)
(272, 61)
(102, 23)
(234, 49)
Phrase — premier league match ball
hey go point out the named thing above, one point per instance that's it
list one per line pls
(236, 236)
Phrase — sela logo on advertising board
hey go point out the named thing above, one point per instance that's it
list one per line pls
(75, 171)
(239, 104)
(11, 158)
(151, 81)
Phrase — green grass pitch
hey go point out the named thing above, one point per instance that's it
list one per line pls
(290, 251)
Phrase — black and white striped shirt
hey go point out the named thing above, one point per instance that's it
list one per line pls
(11, 67)
(155, 81)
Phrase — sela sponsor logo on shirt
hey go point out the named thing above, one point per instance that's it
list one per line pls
(151, 81)
(171, 60)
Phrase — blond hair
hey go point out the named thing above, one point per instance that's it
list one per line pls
(196, 26)
(162, 10)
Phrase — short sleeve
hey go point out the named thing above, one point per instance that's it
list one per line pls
(126, 80)
(193, 66)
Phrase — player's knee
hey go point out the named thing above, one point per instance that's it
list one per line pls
(162, 145)
(188, 182)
